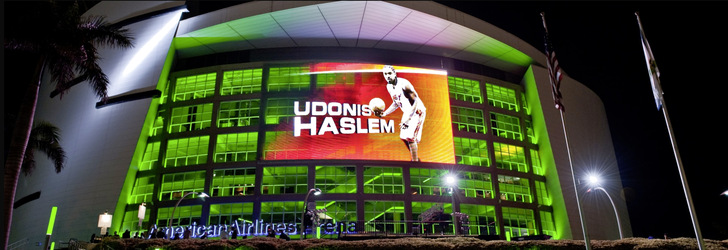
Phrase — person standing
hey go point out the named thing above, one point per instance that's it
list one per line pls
(223, 234)
(187, 233)
(405, 98)
(233, 233)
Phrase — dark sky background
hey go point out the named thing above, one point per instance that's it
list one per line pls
(598, 44)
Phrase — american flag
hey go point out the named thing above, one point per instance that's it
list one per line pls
(554, 69)
(651, 67)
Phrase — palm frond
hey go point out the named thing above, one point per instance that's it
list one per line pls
(105, 34)
(44, 137)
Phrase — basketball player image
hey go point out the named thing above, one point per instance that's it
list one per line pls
(405, 98)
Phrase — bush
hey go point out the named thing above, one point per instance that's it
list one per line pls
(450, 243)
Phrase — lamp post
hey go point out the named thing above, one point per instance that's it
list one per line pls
(451, 181)
(104, 221)
(315, 191)
(595, 181)
(202, 195)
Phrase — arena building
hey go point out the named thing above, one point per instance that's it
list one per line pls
(257, 104)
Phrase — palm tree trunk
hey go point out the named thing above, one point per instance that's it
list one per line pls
(18, 144)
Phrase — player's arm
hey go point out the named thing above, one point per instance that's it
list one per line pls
(389, 110)
(409, 90)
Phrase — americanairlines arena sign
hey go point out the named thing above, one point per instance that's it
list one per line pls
(259, 227)
(336, 119)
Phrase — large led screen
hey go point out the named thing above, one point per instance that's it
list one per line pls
(335, 121)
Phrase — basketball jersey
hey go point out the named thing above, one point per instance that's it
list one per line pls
(396, 91)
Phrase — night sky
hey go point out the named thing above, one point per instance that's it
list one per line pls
(598, 44)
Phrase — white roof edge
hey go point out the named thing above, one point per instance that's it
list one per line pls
(237, 12)
(438, 10)
(466, 20)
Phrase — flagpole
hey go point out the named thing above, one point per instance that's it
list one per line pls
(559, 106)
(657, 90)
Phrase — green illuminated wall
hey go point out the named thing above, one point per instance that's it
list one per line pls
(207, 136)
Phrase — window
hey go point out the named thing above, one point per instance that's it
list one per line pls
(233, 182)
(383, 180)
(428, 181)
(285, 180)
(227, 214)
(339, 210)
(190, 118)
(464, 89)
(287, 212)
(471, 152)
(194, 87)
(283, 149)
(183, 216)
(529, 132)
(384, 216)
(501, 97)
(518, 222)
(547, 223)
(431, 211)
(536, 163)
(506, 126)
(336, 211)
(238, 113)
(243, 81)
(186, 151)
(514, 189)
(510, 157)
(478, 185)
(482, 219)
(329, 79)
(279, 110)
(542, 193)
(143, 190)
(175, 186)
(467, 119)
(288, 79)
(524, 104)
(336, 179)
(131, 222)
(150, 157)
(236, 147)
(158, 125)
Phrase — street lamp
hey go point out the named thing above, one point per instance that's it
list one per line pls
(315, 191)
(104, 221)
(201, 194)
(595, 182)
(452, 182)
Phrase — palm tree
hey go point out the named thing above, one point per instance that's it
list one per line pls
(66, 46)
(44, 137)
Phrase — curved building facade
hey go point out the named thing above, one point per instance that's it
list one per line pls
(257, 104)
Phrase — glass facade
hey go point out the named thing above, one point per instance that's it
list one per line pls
(212, 135)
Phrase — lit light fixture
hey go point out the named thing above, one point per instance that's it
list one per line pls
(104, 221)
(594, 180)
(199, 194)
(315, 191)
(450, 180)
